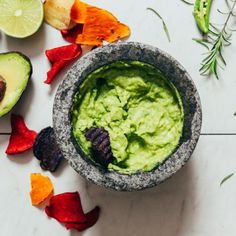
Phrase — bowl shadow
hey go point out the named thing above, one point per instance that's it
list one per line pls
(162, 210)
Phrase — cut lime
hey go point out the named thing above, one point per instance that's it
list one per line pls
(20, 18)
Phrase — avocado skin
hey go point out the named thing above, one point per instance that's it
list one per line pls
(26, 58)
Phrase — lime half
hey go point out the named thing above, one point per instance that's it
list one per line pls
(20, 18)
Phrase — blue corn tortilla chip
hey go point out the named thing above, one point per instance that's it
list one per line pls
(46, 150)
(100, 140)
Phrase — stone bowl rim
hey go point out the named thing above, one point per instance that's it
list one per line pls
(75, 156)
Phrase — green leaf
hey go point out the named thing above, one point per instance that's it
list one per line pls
(166, 30)
(217, 40)
(223, 13)
(203, 42)
(163, 22)
(187, 2)
(226, 178)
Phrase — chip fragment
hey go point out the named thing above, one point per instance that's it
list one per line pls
(41, 188)
(101, 146)
(91, 219)
(79, 11)
(66, 208)
(61, 57)
(21, 138)
(70, 35)
(57, 13)
(46, 150)
(99, 25)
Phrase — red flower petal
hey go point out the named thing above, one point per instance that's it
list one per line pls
(66, 207)
(61, 57)
(92, 218)
(21, 138)
(70, 35)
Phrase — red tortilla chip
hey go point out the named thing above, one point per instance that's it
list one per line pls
(67, 209)
(70, 35)
(56, 68)
(61, 57)
(61, 53)
(99, 25)
(21, 138)
(92, 218)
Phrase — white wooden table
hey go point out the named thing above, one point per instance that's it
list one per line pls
(191, 203)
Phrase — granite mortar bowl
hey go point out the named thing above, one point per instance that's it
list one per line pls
(134, 52)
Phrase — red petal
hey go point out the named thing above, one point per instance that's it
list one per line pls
(21, 138)
(66, 208)
(61, 57)
(91, 217)
(70, 35)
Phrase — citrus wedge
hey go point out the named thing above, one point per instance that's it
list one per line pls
(20, 18)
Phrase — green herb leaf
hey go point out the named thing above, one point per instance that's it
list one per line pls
(163, 22)
(234, 113)
(203, 42)
(226, 178)
(223, 13)
(187, 2)
(218, 39)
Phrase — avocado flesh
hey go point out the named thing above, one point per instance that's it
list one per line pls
(140, 109)
(16, 70)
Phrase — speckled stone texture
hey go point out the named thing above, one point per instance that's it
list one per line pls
(107, 54)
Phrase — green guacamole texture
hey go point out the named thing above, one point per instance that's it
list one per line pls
(141, 110)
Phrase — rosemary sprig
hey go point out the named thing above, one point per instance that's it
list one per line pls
(217, 39)
(204, 42)
(163, 22)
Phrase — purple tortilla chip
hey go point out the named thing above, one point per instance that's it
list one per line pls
(46, 150)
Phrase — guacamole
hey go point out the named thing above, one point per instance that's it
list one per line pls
(141, 110)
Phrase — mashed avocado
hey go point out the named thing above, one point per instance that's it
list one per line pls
(141, 110)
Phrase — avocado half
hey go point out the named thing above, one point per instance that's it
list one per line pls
(15, 72)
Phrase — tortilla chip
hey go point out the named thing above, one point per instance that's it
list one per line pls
(79, 12)
(21, 138)
(41, 188)
(99, 25)
(91, 219)
(47, 150)
(57, 13)
(70, 35)
(67, 209)
(61, 57)
(101, 146)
